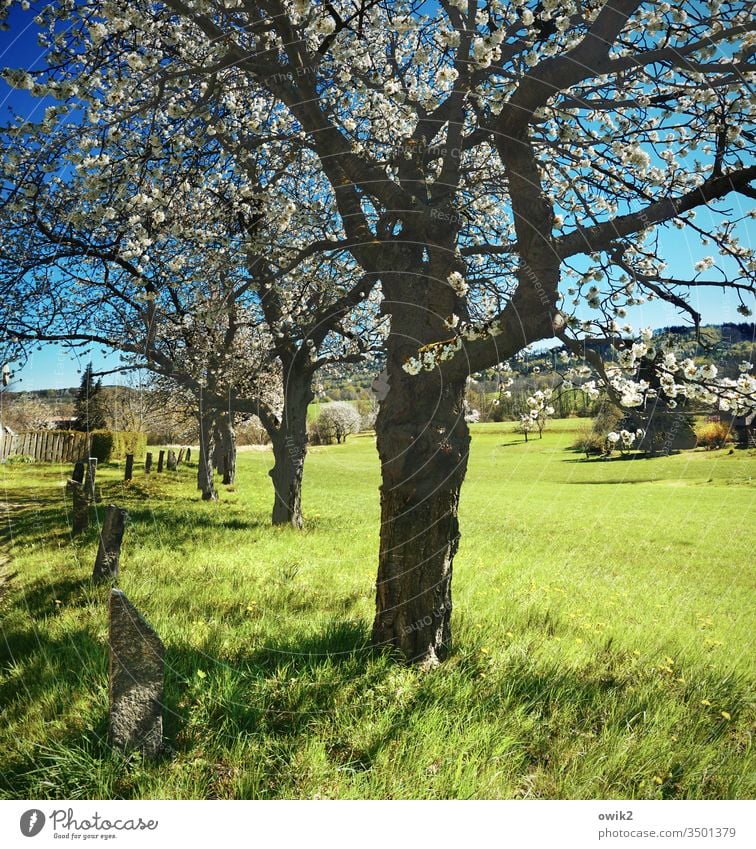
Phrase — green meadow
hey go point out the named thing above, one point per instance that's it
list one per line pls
(603, 633)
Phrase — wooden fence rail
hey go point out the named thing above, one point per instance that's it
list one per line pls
(46, 446)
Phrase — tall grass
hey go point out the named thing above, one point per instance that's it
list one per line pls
(602, 634)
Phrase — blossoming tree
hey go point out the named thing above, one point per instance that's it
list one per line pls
(503, 168)
(105, 243)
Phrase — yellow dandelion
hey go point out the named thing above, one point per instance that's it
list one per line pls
(726, 715)
(705, 702)
(658, 779)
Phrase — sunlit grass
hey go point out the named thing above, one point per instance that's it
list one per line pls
(602, 634)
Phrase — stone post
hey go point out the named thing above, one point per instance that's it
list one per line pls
(137, 662)
(89, 483)
(78, 472)
(80, 509)
(111, 537)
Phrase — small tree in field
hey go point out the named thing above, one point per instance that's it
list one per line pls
(337, 420)
(525, 426)
(539, 412)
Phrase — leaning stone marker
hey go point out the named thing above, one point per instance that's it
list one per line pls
(78, 472)
(111, 537)
(89, 483)
(148, 463)
(129, 473)
(161, 459)
(80, 511)
(136, 679)
(188, 454)
(172, 462)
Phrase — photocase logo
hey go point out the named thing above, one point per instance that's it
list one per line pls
(32, 822)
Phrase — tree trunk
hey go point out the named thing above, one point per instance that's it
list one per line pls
(423, 444)
(289, 450)
(205, 481)
(224, 448)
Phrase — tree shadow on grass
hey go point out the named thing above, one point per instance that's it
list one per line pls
(180, 527)
(32, 524)
(620, 458)
(27, 521)
(311, 685)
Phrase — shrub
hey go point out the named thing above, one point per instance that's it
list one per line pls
(589, 442)
(109, 445)
(608, 419)
(712, 435)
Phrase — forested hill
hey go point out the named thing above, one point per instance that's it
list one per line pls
(725, 344)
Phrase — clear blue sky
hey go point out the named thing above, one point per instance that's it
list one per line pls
(53, 367)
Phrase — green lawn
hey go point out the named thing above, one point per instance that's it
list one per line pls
(603, 634)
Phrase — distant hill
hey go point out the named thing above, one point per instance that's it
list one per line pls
(725, 344)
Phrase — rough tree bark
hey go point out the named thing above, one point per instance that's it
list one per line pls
(205, 480)
(423, 444)
(224, 446)
(289, 438)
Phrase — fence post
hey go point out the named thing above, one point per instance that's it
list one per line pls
(129, 467)
(161, 459)
(148, 463)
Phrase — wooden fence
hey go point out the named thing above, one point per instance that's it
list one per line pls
(46, 446)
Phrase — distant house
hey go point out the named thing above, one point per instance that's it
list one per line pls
(60, 423)
(745, 430)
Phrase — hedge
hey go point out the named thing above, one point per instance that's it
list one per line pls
(108, 445)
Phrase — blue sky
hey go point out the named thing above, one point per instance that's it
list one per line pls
(53, 367)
